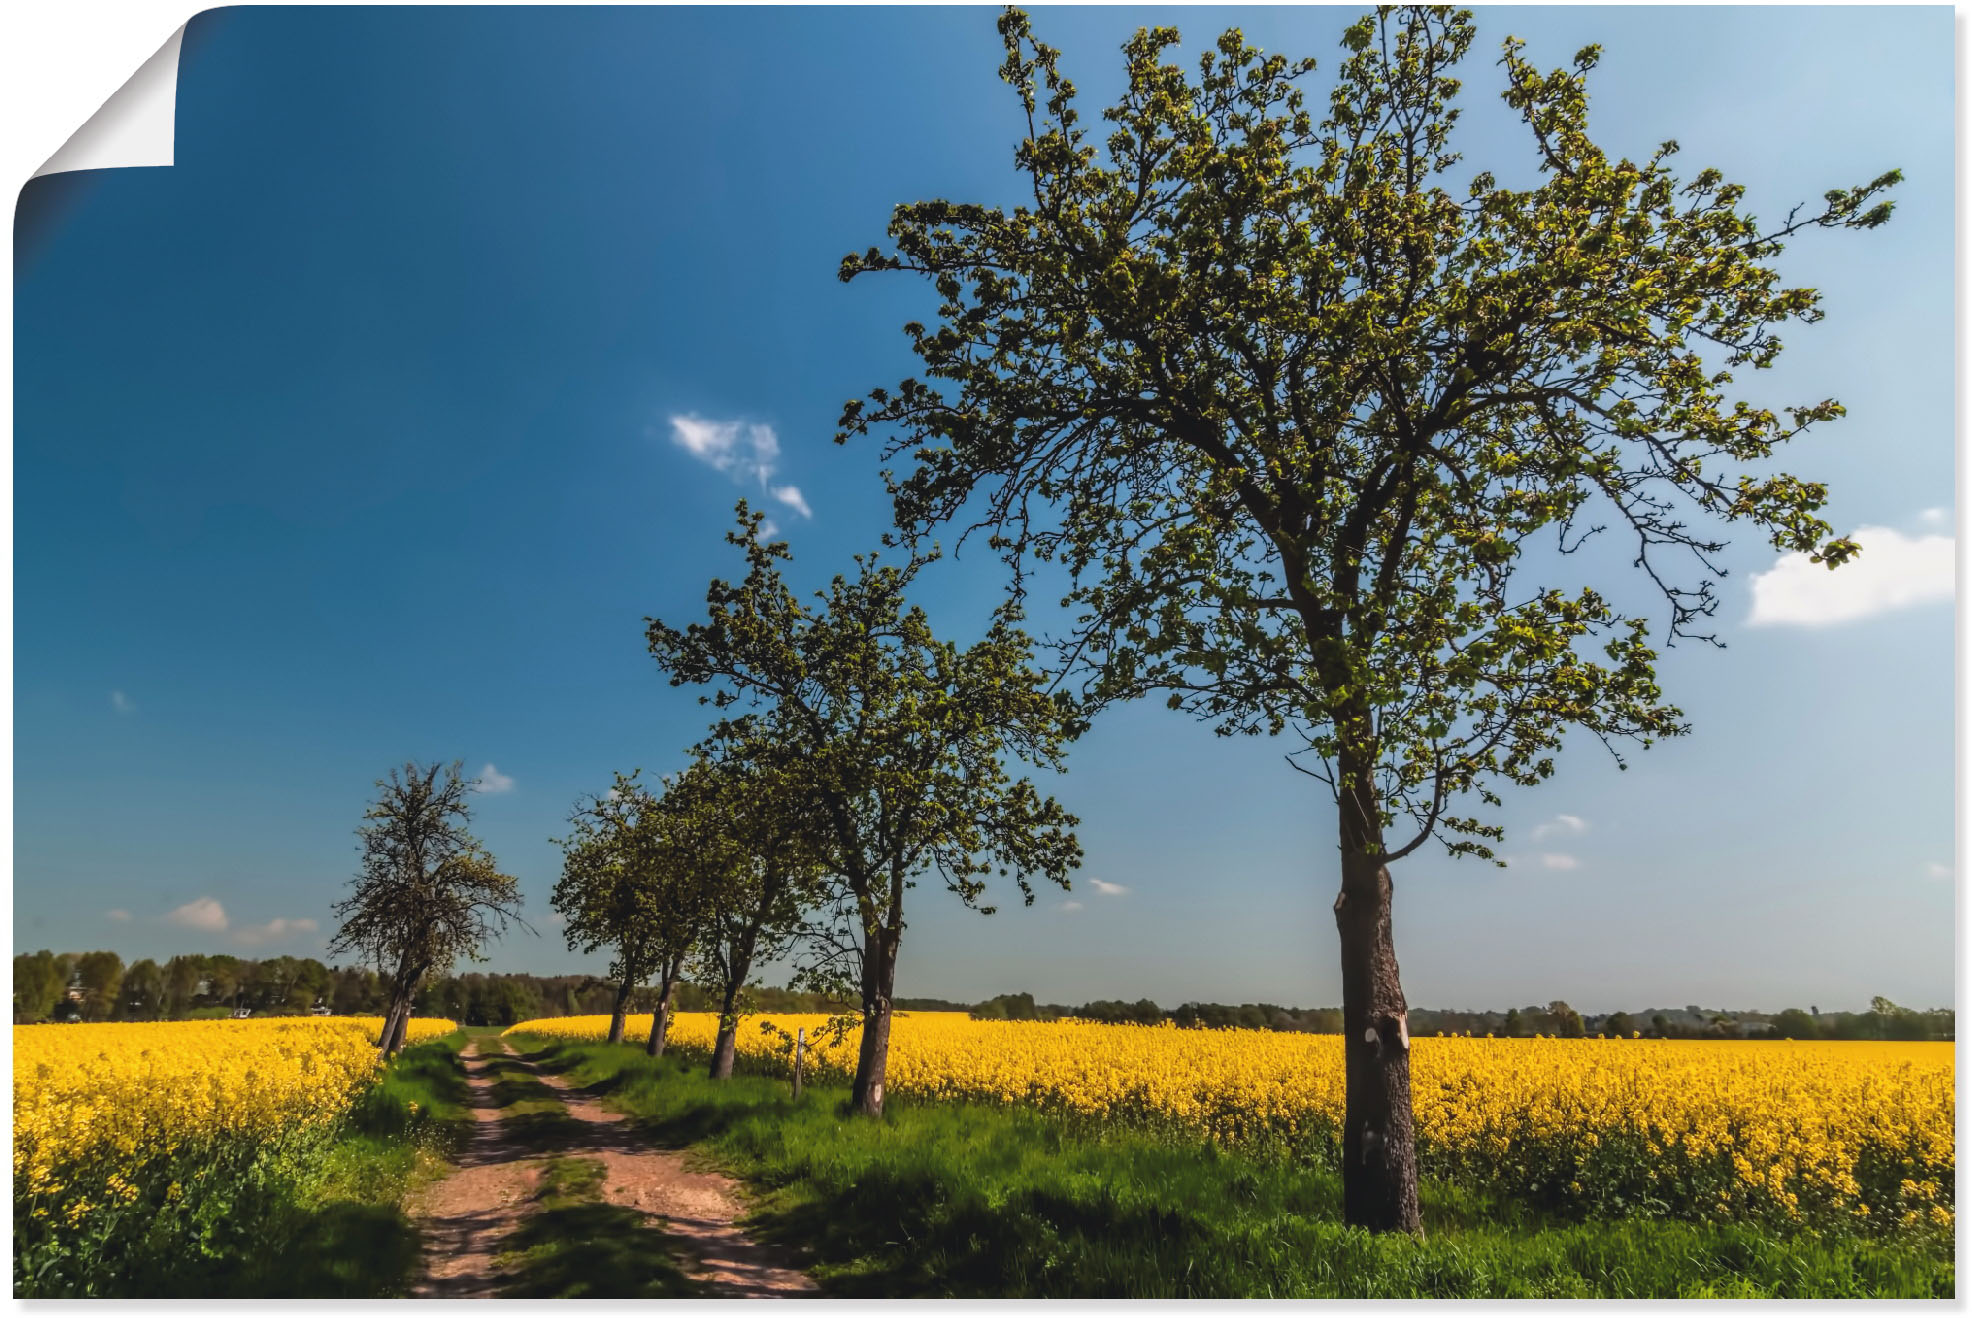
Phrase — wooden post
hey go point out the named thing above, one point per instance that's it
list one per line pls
(800, 1045)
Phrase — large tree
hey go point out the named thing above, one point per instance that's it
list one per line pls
(902, 741)
(1289, 406)
(426, 892)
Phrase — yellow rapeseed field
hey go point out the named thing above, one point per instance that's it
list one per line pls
(1783, 1132)
(111, 1097)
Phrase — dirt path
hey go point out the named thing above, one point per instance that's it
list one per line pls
(468, 1216)
(698, 1208)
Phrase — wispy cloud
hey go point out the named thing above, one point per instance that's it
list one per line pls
(117, 914)
(492, 782)
(1560, 826)
(1938, 871)
(744, 450)
(1893, 571)
(274, 930)
(1559, 860)
(1107, 888)
(747, 451)
(791, 496)
(203, 913)
(122, 703)
(1935, 517)
(1071, 906)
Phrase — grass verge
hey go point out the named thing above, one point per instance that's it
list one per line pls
(963, 1200)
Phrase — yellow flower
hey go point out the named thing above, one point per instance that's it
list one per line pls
(1816, 1131)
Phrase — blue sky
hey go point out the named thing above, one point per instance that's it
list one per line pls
(350, 438)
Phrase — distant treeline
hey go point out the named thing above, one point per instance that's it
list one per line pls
(1884, 1020)
(97, 986)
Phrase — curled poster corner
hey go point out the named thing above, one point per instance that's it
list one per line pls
(136, 126)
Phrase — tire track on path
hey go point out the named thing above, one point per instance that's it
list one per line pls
(467, 1216)
(701, 1209)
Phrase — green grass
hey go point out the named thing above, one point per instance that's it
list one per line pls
(531, 1113)
(342, 1232)
(316, 1216)
(964, 1200)
(571, 1245)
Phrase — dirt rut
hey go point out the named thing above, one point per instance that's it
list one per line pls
(698, 1208)
(468, 1216)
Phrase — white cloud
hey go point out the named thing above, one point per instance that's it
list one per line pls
(1937, 871)
(121, 703)
(1107, 888)
(1560, 826)
(1071, 906)
(1936, 516)
(1893, 571)
(200, 913)
(744, 451)
(492, 782)
(769, 528)
(555, 919)
(118, 914)
(747, 451)
(791, 496)
(1558, 860)
(255, 934)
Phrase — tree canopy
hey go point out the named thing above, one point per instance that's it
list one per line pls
(1289, 404)
(902, 742)
(613, 892)
(426, 892)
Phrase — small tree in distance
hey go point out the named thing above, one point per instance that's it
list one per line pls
(610, 891)
(426, 892)
(901, 741)
(1289, 405)
(770, 874)
(101, 976)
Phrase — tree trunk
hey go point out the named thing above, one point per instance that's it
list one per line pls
(621, 1010)
(873, 1060)
(398, 1009)
(723, 1049)
(413, 980)
(396, 1040)
(1379, 1147)
(660, 1021)
(738, 965)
